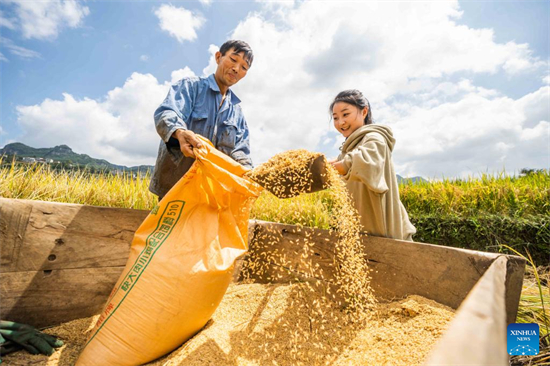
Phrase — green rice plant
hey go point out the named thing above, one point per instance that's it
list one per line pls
(41, 182)
(510, 196)
(307, 209)
(535, 299)
(531, 311)
(501, 194)
(486, 232)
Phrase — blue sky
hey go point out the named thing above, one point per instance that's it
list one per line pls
(463, 84)
(101, 53)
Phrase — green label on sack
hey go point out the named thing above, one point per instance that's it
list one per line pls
(164, 227)
(166, 223)
(155, 209)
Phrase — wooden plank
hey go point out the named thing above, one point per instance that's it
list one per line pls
(477, 334)
(59, 235)
(515, 269)
(443, 274)
(51, 297)
(14, 217)
(60, 261)
(399, 268)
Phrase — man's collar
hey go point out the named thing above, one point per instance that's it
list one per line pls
(214, 86)
(212, 83)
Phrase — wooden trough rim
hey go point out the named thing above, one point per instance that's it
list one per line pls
(253, 222)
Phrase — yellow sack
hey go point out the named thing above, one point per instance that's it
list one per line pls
(181, 263)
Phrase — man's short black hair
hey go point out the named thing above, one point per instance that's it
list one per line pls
(238, 46)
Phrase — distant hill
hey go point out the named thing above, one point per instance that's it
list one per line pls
(400, 179)
(63, 154)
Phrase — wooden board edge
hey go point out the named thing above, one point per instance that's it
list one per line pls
(515, 270)
(487, 255)
(477, 334)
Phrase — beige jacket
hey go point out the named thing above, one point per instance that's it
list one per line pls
(372, 182)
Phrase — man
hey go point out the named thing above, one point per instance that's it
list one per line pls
(204, 106)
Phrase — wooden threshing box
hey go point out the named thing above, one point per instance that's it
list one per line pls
(59, 262)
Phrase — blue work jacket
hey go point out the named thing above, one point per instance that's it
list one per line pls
(193, 104)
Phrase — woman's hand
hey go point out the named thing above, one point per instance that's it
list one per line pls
(339, 166)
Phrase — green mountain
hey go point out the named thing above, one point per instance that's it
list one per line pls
(413, 180)
(63, 154)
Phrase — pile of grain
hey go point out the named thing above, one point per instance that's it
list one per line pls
(271, 325)
(73, 334)
(287, 170)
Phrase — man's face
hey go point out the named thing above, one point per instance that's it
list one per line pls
(232, 67)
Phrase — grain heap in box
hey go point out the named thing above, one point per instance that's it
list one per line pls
(272, 324)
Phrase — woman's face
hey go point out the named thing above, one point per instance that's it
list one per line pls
(347, 117)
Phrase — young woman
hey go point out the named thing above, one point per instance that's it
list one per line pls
(366, 165)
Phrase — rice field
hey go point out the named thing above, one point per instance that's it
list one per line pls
(505, 195)
(513, 196)
(40, 182)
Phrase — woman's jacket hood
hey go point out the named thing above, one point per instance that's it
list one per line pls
(357, 136)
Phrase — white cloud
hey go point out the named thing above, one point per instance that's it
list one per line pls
(404, 56)
(3, 58)
(338, 141)
(535, 107)
(206, 2)
(118, 128)
(144, 58)
(5, 22)
(18, 50)
(45, 19)
(503, 147)
(211, 68)
(181, 73)
(180, 23)
(542, 129)
(473, 135)
(522, 61)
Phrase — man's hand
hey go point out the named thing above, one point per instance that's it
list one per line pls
(28, 337)
(188, 141)
(339, 166)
